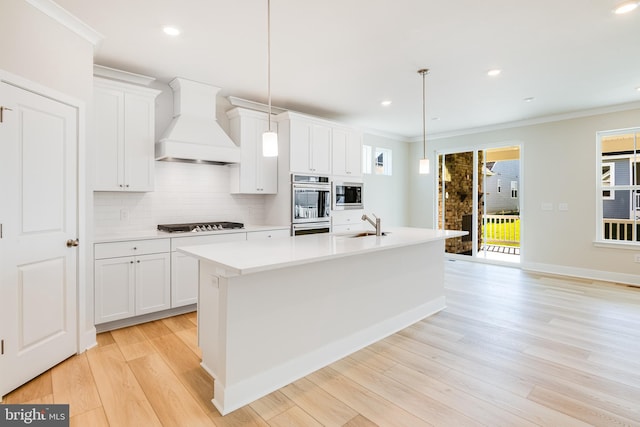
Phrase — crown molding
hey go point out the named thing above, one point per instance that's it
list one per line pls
(125, 76)
(535, 121)
(62, 16)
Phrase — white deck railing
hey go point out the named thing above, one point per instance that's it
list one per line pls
(501, 228)
(620, 229)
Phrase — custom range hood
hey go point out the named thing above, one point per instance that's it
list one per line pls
(194, 133)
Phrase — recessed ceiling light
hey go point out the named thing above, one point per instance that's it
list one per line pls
(385, 103)
(528, 99)
(494, 72)
(625, 7)
(171, 31)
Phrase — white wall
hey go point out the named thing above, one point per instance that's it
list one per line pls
(34, 46)
(388, 196)
(559, 166)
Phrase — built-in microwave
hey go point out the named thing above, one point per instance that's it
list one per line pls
(348, 195)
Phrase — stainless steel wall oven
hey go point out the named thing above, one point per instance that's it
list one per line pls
(310, 204)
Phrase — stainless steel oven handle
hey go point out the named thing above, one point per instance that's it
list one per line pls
(310, 226)
(312, 187)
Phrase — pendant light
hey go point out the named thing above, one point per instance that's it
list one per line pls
(269, 138)
(424, 162)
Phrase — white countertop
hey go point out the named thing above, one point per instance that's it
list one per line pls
(156, 234)
(247, 257)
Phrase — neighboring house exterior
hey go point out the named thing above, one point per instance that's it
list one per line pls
(502, 193)
(618, 170)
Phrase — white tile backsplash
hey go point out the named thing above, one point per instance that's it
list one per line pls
(184, 192)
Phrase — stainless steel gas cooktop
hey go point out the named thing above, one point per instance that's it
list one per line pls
(195, 227)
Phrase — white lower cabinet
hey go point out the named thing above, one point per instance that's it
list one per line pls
(184, 279)
(131, 278)
(137, 277)
(153, 283)
(347, 220)
(184, 269)
(114, 289)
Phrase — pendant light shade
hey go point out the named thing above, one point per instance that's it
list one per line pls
(269, 138)
(270, 144)
(424, 162)
(424, 167)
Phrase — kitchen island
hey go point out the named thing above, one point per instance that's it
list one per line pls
(273, 311)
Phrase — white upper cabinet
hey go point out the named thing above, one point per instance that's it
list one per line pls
(347, 152)
(255, 174)
(124, 117)
(310, 146)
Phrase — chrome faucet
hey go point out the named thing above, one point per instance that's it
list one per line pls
(376, 224)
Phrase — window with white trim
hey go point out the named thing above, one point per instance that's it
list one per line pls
(383, 161)
(618, 186)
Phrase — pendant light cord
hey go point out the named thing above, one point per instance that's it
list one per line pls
(424, 72)
(424, 117)
(269, 59)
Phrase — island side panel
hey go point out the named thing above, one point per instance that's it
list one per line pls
(274, 327)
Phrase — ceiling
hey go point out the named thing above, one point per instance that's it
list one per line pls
(339, 59)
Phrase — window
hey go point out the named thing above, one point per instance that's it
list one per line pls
(383, 161)
(376, 160)
(366, 158)
(514, 189)
(618, 186)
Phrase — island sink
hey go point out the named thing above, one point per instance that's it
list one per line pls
(368, 233)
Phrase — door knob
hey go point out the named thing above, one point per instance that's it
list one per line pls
(72, 243)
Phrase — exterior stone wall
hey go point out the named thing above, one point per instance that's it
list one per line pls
(458, 187)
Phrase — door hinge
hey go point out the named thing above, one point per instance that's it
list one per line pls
(2, 110)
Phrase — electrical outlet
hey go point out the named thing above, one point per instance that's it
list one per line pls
(636, 258)
(124, 214)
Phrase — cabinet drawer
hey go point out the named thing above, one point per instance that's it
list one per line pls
(131, 247)
(349, 216)
(345, 228)
(267, 234)
(192, 240)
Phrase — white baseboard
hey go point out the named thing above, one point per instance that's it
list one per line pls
(130, 321)
(583, 273)
(87, 340)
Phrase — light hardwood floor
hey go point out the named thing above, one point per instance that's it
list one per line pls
(511, 349)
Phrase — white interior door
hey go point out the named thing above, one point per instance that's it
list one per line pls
(38, 213)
